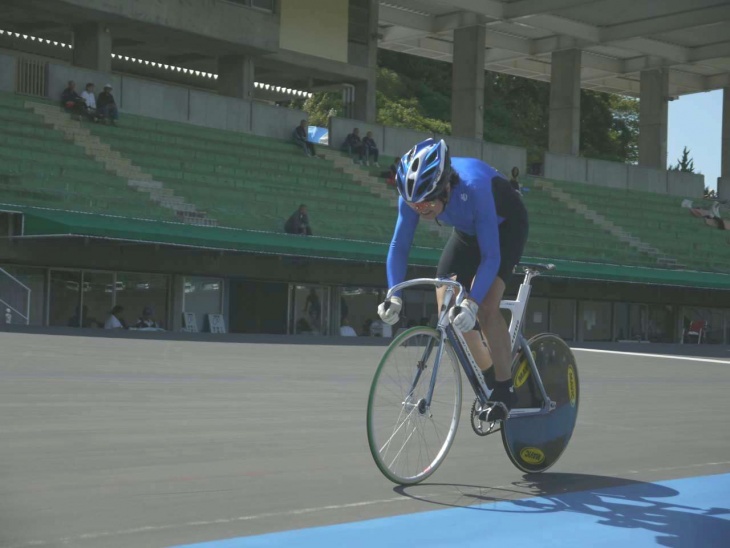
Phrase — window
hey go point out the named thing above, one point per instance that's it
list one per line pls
(536, 317)
(16, 296)
(594, 321)
(266, 5)
(358, 308)
(65, 298)
(135, 292)
(309, 313)
(562, 318)
(202, 296)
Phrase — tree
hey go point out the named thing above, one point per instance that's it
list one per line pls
(685, 163)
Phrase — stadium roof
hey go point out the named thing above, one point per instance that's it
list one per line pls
(619, 38)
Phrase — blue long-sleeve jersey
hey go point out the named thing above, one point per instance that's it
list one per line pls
(471, 209)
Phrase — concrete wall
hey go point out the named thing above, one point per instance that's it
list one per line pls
(610, 174)
(564, 167)
(148, 98)
(505, 157)
(278, 122)
(315, 27)
(339, 128)
(397, 140)
(688, 185)
(647, 179)
(8, 71)
(59, 75)
(217, 20)
(723, 188)
(471, 148)
(212, 110)
(179, 104)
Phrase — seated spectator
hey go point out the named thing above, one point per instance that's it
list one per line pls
(115, 320)
(90, 99)
(346, 329)
(147, 320)
(106, 106)
(370, 148)
(301, 138)
(390, 175)
(298, 223)
(83, 319)
(73, 102)
(514, 183)
(353, 145)
(711, 216)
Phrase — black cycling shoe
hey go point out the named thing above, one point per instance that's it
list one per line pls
(504, 398)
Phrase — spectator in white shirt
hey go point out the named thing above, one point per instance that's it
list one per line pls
(346, 329)
(90, 98)
(115, 321)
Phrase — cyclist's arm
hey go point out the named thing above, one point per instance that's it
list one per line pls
(400, 245)
(487, 228)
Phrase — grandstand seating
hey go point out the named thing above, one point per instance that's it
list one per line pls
(658, 220)
(38, 167)
(252, 182)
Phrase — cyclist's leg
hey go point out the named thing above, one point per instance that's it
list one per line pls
(461, 256)
(474, 340)
(495, 330)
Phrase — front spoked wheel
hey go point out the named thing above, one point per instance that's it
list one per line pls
(409, 438)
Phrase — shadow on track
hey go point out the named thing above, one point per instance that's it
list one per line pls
(615, 502)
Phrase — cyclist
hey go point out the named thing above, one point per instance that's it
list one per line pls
(490, 230)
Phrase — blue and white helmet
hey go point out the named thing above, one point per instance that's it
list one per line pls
(420, 170)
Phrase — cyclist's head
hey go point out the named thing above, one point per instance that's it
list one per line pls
(424, 171)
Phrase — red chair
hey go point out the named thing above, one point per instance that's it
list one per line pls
(696, 328)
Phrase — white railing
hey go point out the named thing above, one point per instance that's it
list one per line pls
(14, 299)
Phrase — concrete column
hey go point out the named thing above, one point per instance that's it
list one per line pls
(364, 105)
(723, 182)
(653, 118)
(564, 125)
(236, 76)
(467, 83)
(93, 47)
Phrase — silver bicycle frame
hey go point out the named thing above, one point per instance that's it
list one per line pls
(517, 309)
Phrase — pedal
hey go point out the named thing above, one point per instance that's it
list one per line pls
(480, 427)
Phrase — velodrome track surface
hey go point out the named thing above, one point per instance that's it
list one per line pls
(133, 443)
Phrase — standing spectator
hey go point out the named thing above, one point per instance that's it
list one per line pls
(106, 106)
(353, 145)
(313, 308)
(73, 102)
(298, 223)
(301, 137)
(90, 99)
(115, 320)
(370, 148)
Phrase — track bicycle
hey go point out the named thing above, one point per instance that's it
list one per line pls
(415, 398)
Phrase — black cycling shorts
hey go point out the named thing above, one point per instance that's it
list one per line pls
(462, 256)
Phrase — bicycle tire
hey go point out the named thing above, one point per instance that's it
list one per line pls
(394, 370)
(534, 444)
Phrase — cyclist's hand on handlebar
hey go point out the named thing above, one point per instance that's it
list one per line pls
(389, 310)
(464, 316)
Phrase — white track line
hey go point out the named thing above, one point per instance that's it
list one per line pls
(685, 358)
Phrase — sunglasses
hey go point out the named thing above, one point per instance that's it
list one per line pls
(424, 207)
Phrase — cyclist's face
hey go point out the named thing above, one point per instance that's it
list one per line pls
(428, 210)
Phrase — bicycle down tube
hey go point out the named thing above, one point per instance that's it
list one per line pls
(472, 371)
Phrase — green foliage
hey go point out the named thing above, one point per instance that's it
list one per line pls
(415, 92)
(685, 163)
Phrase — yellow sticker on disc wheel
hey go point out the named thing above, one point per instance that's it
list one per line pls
(532, 455)
(572, 388)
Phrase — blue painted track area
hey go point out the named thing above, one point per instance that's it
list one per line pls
(691, 512)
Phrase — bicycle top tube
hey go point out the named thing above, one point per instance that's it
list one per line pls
(428, 281)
